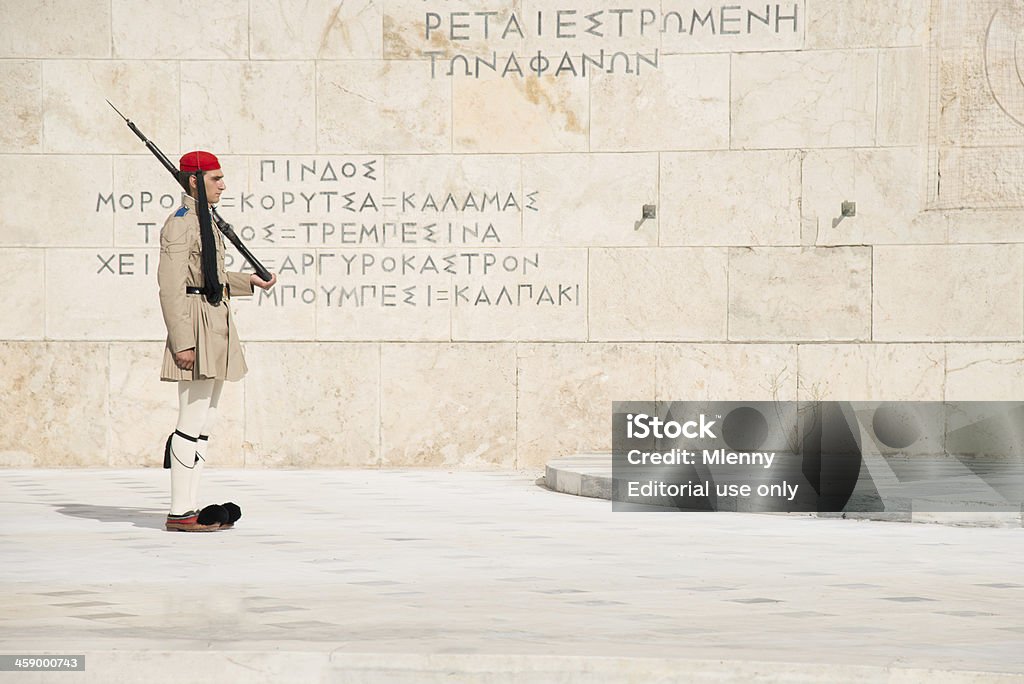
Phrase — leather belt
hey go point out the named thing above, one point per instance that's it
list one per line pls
(190, 290)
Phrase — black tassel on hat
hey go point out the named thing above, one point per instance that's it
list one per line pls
(212, 288)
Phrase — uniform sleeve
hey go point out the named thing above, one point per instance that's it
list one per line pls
(239, 284)
(172, 275)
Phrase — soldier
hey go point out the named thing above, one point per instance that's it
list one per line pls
(202, 348)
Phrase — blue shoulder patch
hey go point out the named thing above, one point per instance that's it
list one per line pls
(181, 212)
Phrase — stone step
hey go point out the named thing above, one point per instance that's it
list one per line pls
(590, 475)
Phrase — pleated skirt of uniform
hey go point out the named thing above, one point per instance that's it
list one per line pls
(218, 349)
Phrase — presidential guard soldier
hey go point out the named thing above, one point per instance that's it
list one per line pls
(202, 348)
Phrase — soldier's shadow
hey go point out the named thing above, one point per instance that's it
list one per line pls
(148, 518)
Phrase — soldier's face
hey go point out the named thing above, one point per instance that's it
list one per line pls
(214, 185)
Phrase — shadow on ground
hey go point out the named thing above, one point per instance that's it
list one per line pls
(148, 518)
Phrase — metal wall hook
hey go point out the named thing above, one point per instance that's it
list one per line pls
(848, 209)
(649, 211)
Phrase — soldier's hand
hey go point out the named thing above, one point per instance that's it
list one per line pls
(185, 359)
(265, 284)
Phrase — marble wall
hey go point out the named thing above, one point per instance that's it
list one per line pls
(453, 195)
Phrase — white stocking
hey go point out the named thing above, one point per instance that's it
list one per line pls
(193, 404)
(203, 443)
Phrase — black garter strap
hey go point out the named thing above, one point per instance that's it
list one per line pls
(167, 446)
(169, 451)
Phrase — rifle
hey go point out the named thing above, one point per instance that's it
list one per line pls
(223, 225)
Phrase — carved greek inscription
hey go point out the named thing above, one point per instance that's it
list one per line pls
(122, 263)
(504, 31)
(339, 240)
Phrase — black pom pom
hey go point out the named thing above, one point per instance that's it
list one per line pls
(213, 514)
(234, 512)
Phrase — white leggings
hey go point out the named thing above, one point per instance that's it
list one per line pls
(197, 405)
(197, 412)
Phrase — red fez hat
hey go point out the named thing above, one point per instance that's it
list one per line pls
(191, 162)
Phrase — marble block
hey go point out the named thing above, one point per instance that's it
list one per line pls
(683, 105)
(23, 316)
(975, 119)
(740, 26)
(55, 28)
(872, 372)
(103, 294)
(903, 96)
(984, 225)
(591, 199)
(572, 386)
(887, 186)
(658, 293)
(842, 24)
(955, 24)
(310, 405)
(730, 198)
(970, 113)
(804, 99)
(984, 372)
(76, 118)
(949, 292)
(21, 113)
(78, 218)
(381, 107)
(192, 29)
(726, 372)
(288, 310)
(520, 294)
(460, 200)
(323, 29)
(385, 294)
(144, 411)
(512, 114)
(565, 27)
(55, 404)
(988, 177)
(793, 294)
(270, 106)
(470, 420)
(409, 34)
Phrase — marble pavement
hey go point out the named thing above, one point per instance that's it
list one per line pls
(431, 575)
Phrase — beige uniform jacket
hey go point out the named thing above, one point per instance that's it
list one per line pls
(192, 322)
